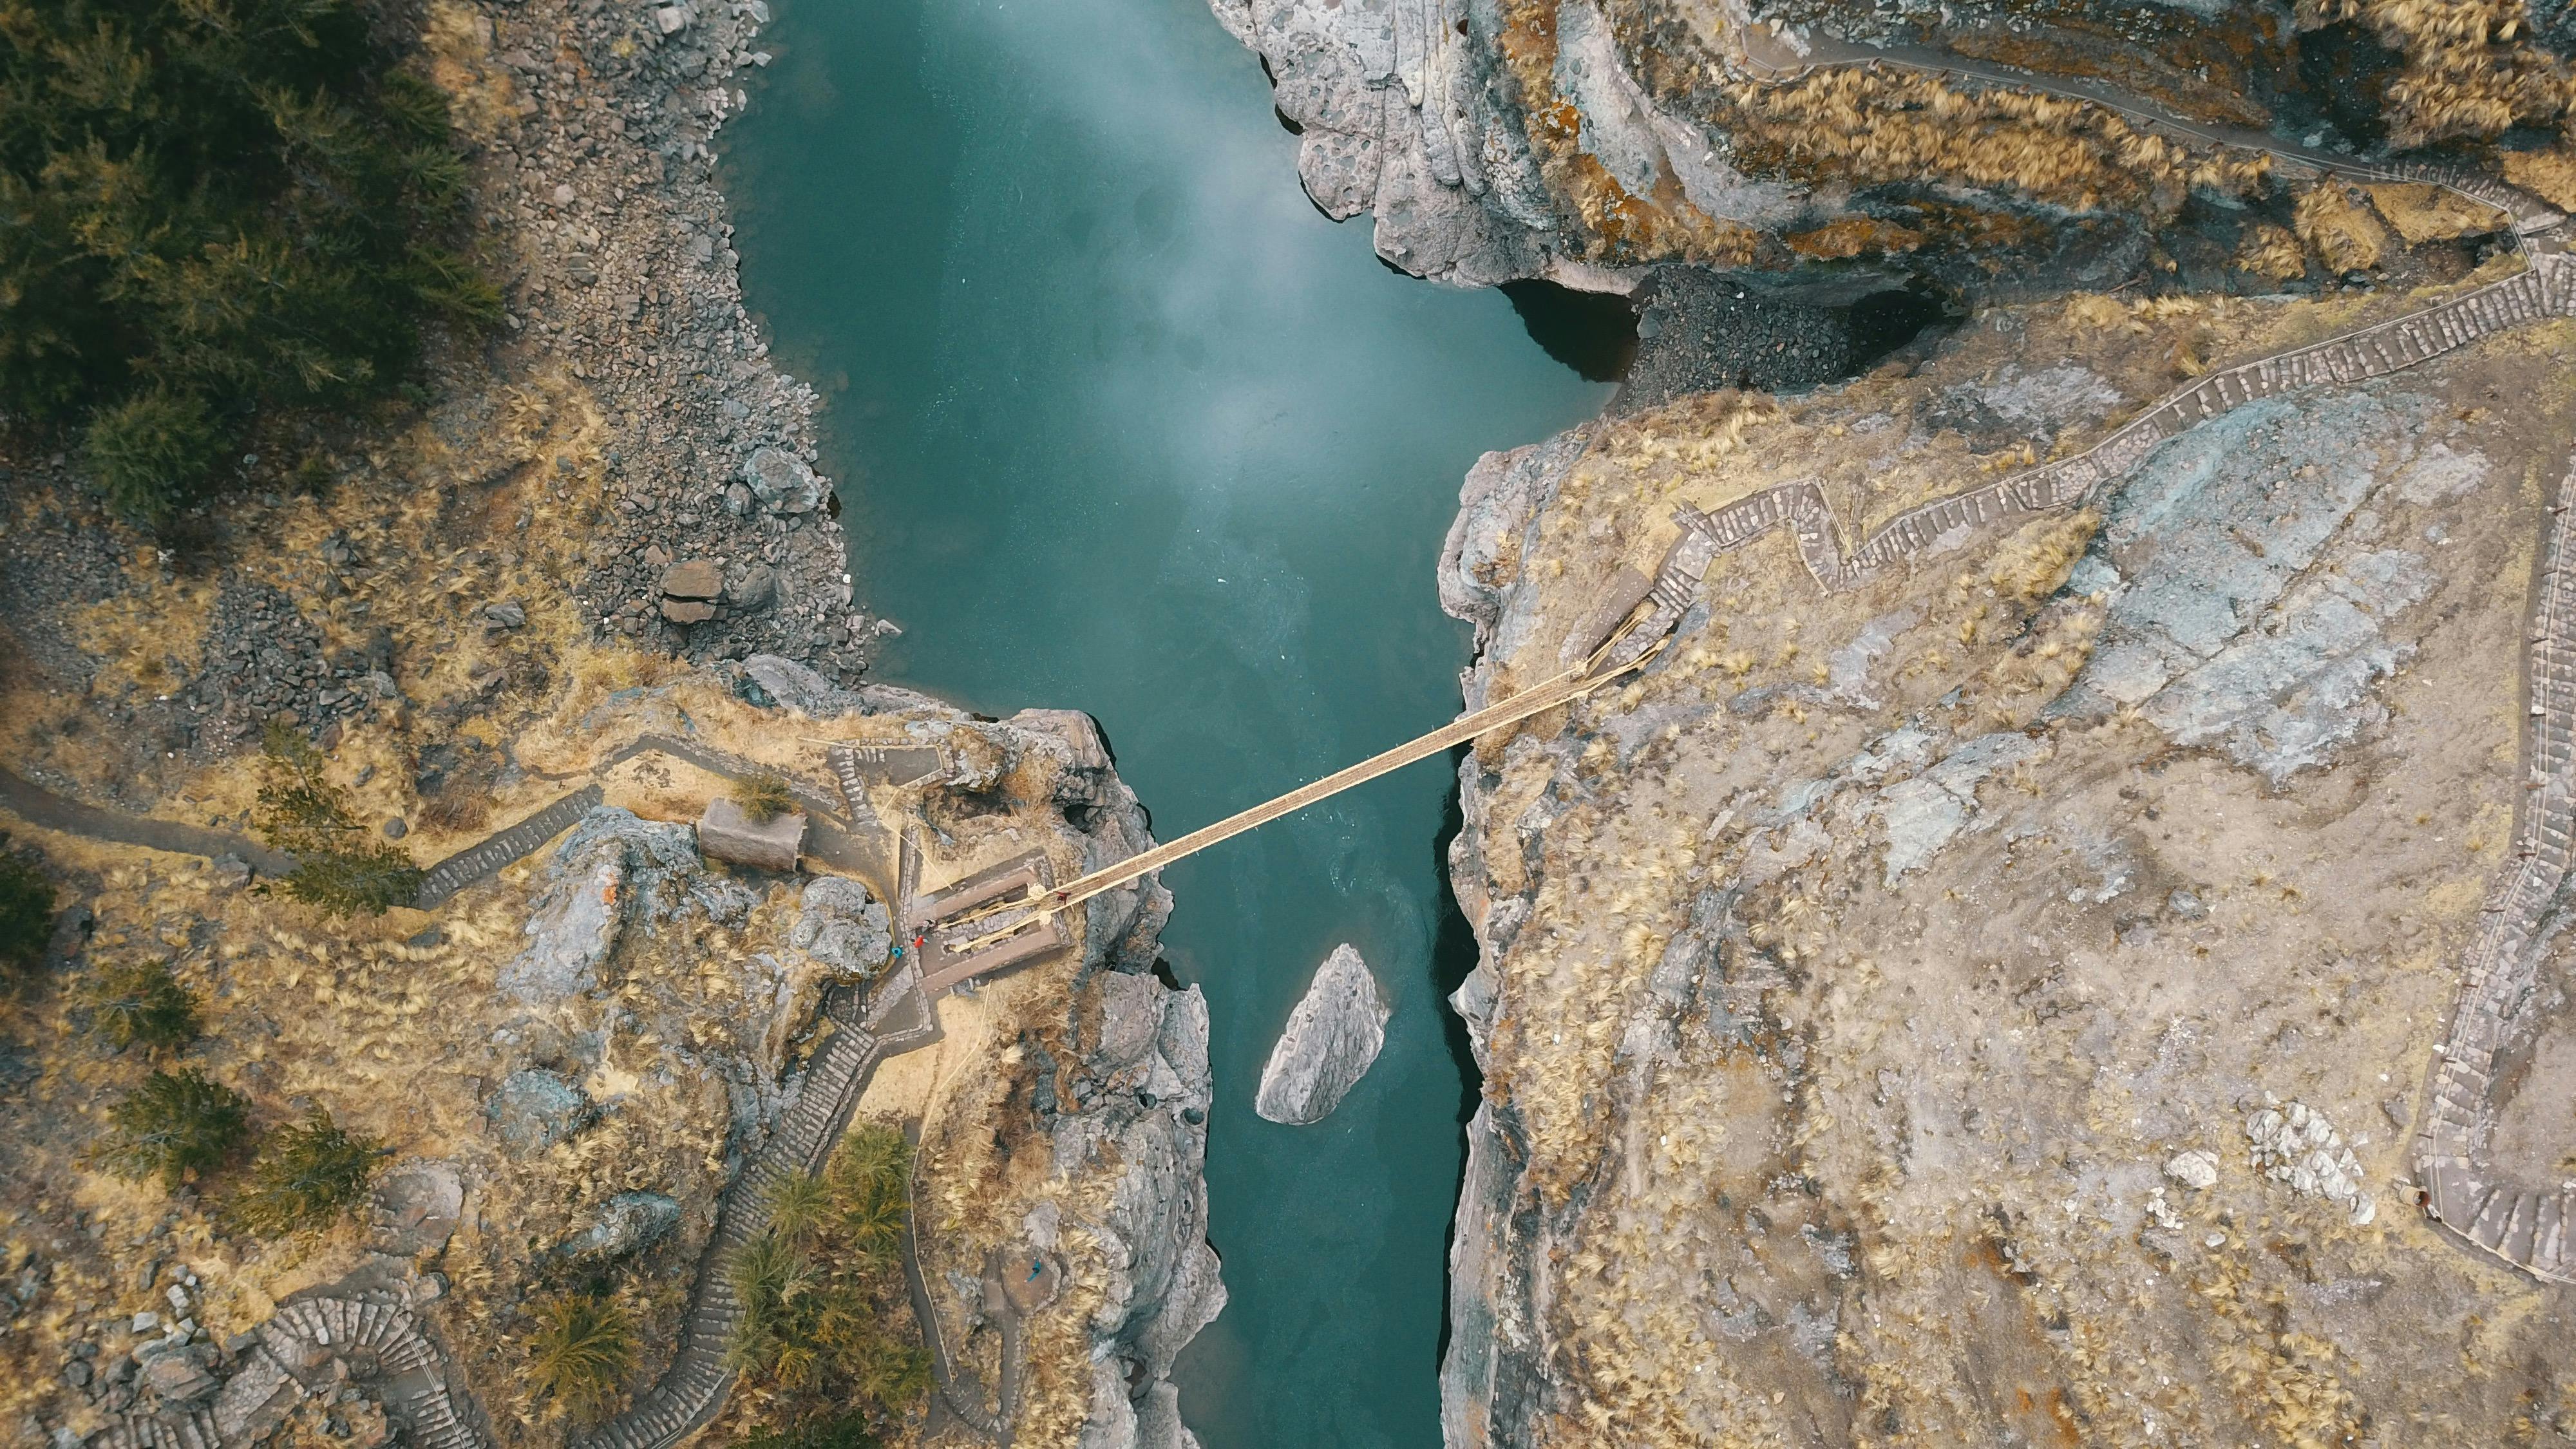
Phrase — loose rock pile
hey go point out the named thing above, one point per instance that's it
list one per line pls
(2297, 1145)
(630, 279)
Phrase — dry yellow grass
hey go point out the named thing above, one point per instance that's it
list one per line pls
(2549, 175)
(2034, 561)
(2271, 252)
(2423, 213)
(2335, 225)
(2471, 67)
(457, 39)
(1859, 127)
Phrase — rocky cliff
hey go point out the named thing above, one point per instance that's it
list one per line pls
(580, 1063)
(1988, 1000)
(1589, 141)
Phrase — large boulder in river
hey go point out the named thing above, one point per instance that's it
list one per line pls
(1332, 1036)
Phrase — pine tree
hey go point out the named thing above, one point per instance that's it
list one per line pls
(306, 1176)
(143, 1005)
(301, 812)
(176, 1126)
(209, 208)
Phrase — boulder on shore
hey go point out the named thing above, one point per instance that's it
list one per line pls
(1332, 1036)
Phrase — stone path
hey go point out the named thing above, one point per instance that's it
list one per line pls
(857, 766)
(300, 1340)
(2500, 1006)
(959, 1393)
(2546, 288)
(828, 838)
(307, 1348)
(693, 1387)
(41, 807)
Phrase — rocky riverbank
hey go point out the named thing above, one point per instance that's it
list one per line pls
(619, 466)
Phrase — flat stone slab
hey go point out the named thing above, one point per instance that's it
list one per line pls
(698, 578)
(726, 833)
(1331, 1038)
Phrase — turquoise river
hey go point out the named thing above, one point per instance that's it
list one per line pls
(1122, 424)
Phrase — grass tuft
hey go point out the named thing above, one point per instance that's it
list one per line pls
(583, 1349)
(764, 797)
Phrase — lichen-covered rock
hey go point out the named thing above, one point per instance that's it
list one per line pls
(1332, 1036)
(176, 1371)
(781, 480)
(612, 870)
(627, 1222)
(2218, 632)
(843, 926)
(534, 1109)
(416, 1207)
(788, 684)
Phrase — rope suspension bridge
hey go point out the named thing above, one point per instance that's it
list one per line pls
(1011, 913)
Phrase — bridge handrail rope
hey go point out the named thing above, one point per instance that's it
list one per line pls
(1573, 684)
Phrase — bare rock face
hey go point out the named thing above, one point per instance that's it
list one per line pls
(1948, 966)
(613, 870)
(1591, 142)
(1331, 1038)
(843, 927)
(417, 1207)
(628, 1222)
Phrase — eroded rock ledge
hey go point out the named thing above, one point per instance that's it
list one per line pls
(1588, 141)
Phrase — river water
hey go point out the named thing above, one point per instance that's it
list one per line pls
(1124, 425)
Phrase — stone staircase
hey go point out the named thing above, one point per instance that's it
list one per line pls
(304, 1349)
(2544, 289)
(388, 1341)
(693, 1387)
(194, 1429)
(495, 851)
(2527, 1226)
